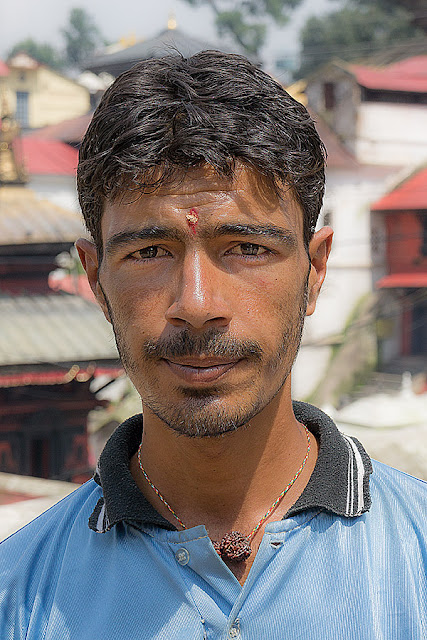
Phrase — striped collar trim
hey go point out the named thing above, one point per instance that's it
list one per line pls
(339, 482)
(340, 479)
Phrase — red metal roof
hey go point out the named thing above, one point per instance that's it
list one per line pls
(4, 69)
(405, 280)
(411, 194)
(11, 497)
(406, 75)
(78, 285)
(71, 131)
(37, 378)
(46, 156)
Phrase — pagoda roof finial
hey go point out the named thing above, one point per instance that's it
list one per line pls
(172, 20)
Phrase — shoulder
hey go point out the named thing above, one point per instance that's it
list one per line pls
(399, 498)
(26, 554)
(393, 482)
(31, 559)
(60, 517)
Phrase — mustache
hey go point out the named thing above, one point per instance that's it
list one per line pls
(212, 343)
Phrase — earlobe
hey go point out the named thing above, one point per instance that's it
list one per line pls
(89, 258)
(319, 250)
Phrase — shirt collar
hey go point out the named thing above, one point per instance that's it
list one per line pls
(339, 482)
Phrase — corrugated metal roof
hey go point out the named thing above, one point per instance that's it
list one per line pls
(46, 157)
(52, 329)
(25, 219)
(406, 75)
(410, 195)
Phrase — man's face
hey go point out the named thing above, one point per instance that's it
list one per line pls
(205, 284)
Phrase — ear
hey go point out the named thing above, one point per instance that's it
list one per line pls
(89, 259)
(319, 250)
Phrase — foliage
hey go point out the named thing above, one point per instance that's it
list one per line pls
(82, 36)
(246, 21)
(357, 30)
(416, 8)
(40, 51)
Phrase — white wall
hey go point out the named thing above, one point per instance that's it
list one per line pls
(310, 366)
(349, 195)
(391, 134)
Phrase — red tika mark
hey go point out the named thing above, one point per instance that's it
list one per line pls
(192, 219)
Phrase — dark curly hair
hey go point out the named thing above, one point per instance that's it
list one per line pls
(169, 114)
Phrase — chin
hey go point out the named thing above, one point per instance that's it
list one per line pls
(204, 415)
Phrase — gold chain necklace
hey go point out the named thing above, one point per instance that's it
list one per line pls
(234, 546)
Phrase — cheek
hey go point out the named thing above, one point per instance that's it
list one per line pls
(138, 307)
(267, 307)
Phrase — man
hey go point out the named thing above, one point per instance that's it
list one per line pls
(231, 512)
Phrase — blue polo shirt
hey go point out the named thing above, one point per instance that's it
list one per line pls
(348, 560)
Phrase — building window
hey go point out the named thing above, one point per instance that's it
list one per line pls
(22, 108)
(329, 95)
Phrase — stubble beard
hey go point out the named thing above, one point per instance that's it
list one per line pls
(201, 412)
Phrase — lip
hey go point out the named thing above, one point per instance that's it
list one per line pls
(200, 370)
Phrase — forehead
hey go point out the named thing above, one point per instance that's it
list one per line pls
(248, 197)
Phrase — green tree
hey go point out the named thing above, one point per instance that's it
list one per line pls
(415, 8)
(82, 37)
(40, 51)
(246, 21)
(357, 30)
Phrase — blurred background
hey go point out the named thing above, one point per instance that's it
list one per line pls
(361, 70)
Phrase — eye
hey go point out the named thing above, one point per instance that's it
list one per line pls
(249, 249)
(149, 252)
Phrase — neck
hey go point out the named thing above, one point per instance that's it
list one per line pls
(229, 481)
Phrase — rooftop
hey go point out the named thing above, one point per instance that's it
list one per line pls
(406, 75)
(51, 329)
(411, 194)
(70, 131)
(4, 69)
(25, 219)
(46, 157)
(167, 42)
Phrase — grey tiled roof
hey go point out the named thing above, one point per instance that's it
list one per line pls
(26, 219)
(168, 42)
(53, 329)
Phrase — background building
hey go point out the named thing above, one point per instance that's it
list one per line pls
(52, 344)
(378, 116)
(39, 96)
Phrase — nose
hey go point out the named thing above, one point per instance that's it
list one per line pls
(200, 297)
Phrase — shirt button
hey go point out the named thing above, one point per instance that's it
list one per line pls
(182, 556)
(234, 633)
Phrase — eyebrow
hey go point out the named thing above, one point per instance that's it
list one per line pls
(158, 232)
(265, 231)
(146, 233)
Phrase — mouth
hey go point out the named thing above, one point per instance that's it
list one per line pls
(200, 370)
